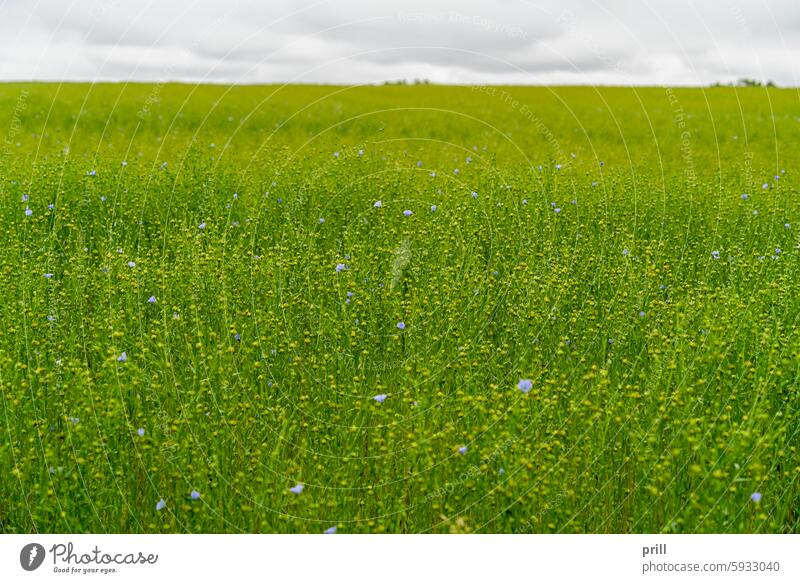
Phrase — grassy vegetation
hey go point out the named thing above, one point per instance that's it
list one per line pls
(200, 294)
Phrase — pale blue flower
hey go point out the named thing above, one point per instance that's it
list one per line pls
(380, 398)
(462, 450)
(123, 357)
(755, 497)
(140, 432)
(331, 530)
(525, 385)
(378, 204)
(160, 505)
(151, 300)
(407, 213)
(401, 325)
(296, 489)
(194, 495)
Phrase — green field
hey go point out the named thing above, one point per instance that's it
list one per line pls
(208, 265)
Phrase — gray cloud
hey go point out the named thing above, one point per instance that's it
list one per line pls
(447, 41)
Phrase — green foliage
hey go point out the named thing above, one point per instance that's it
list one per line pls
(645, 298)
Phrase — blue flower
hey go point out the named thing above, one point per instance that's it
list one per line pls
(642, 314)
(380, 398)
(331, 530)
(321, 220)
(28, 212)
(715, 254)
(160, 505)
(407, 213)
(745, 196)
(131, 264)
(296, 489)
(525, 385)
(433, 208)
(122, 357)
(48, 275)
(340, 267)
(378, 204)
(201, 226)
(474, 194)
(151, 300)
(755, 497)
(194, 495)
(401, 325)
(140, 432)
(462, 450)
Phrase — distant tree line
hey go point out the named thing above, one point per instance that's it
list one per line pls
(744, 82)
(405, 82)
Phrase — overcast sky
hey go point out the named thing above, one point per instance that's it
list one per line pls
(666, 42)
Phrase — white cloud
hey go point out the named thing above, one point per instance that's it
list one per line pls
(447, 41)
